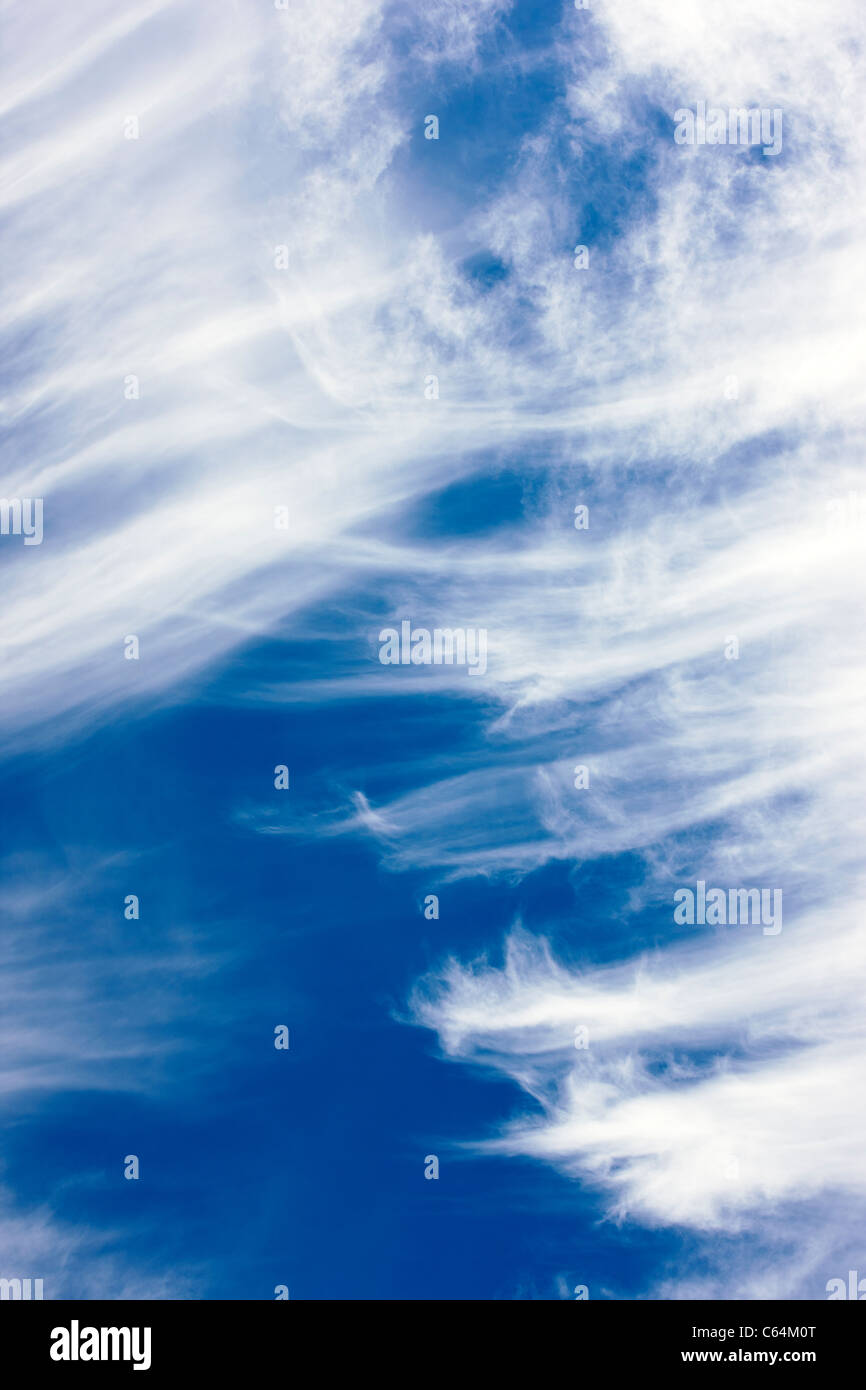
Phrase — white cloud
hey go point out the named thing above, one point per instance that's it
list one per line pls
(304, 387)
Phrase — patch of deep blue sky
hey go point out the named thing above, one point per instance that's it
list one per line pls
(518, 91)
(259, 1167)
(306, 1168)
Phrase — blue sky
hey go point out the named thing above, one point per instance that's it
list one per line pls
(235, 265)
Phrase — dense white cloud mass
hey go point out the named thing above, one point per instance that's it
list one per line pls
(313, 379)
(256, 261)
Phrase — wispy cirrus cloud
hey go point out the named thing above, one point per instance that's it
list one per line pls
(278, 265)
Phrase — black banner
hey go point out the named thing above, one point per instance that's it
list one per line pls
(220, 1339)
